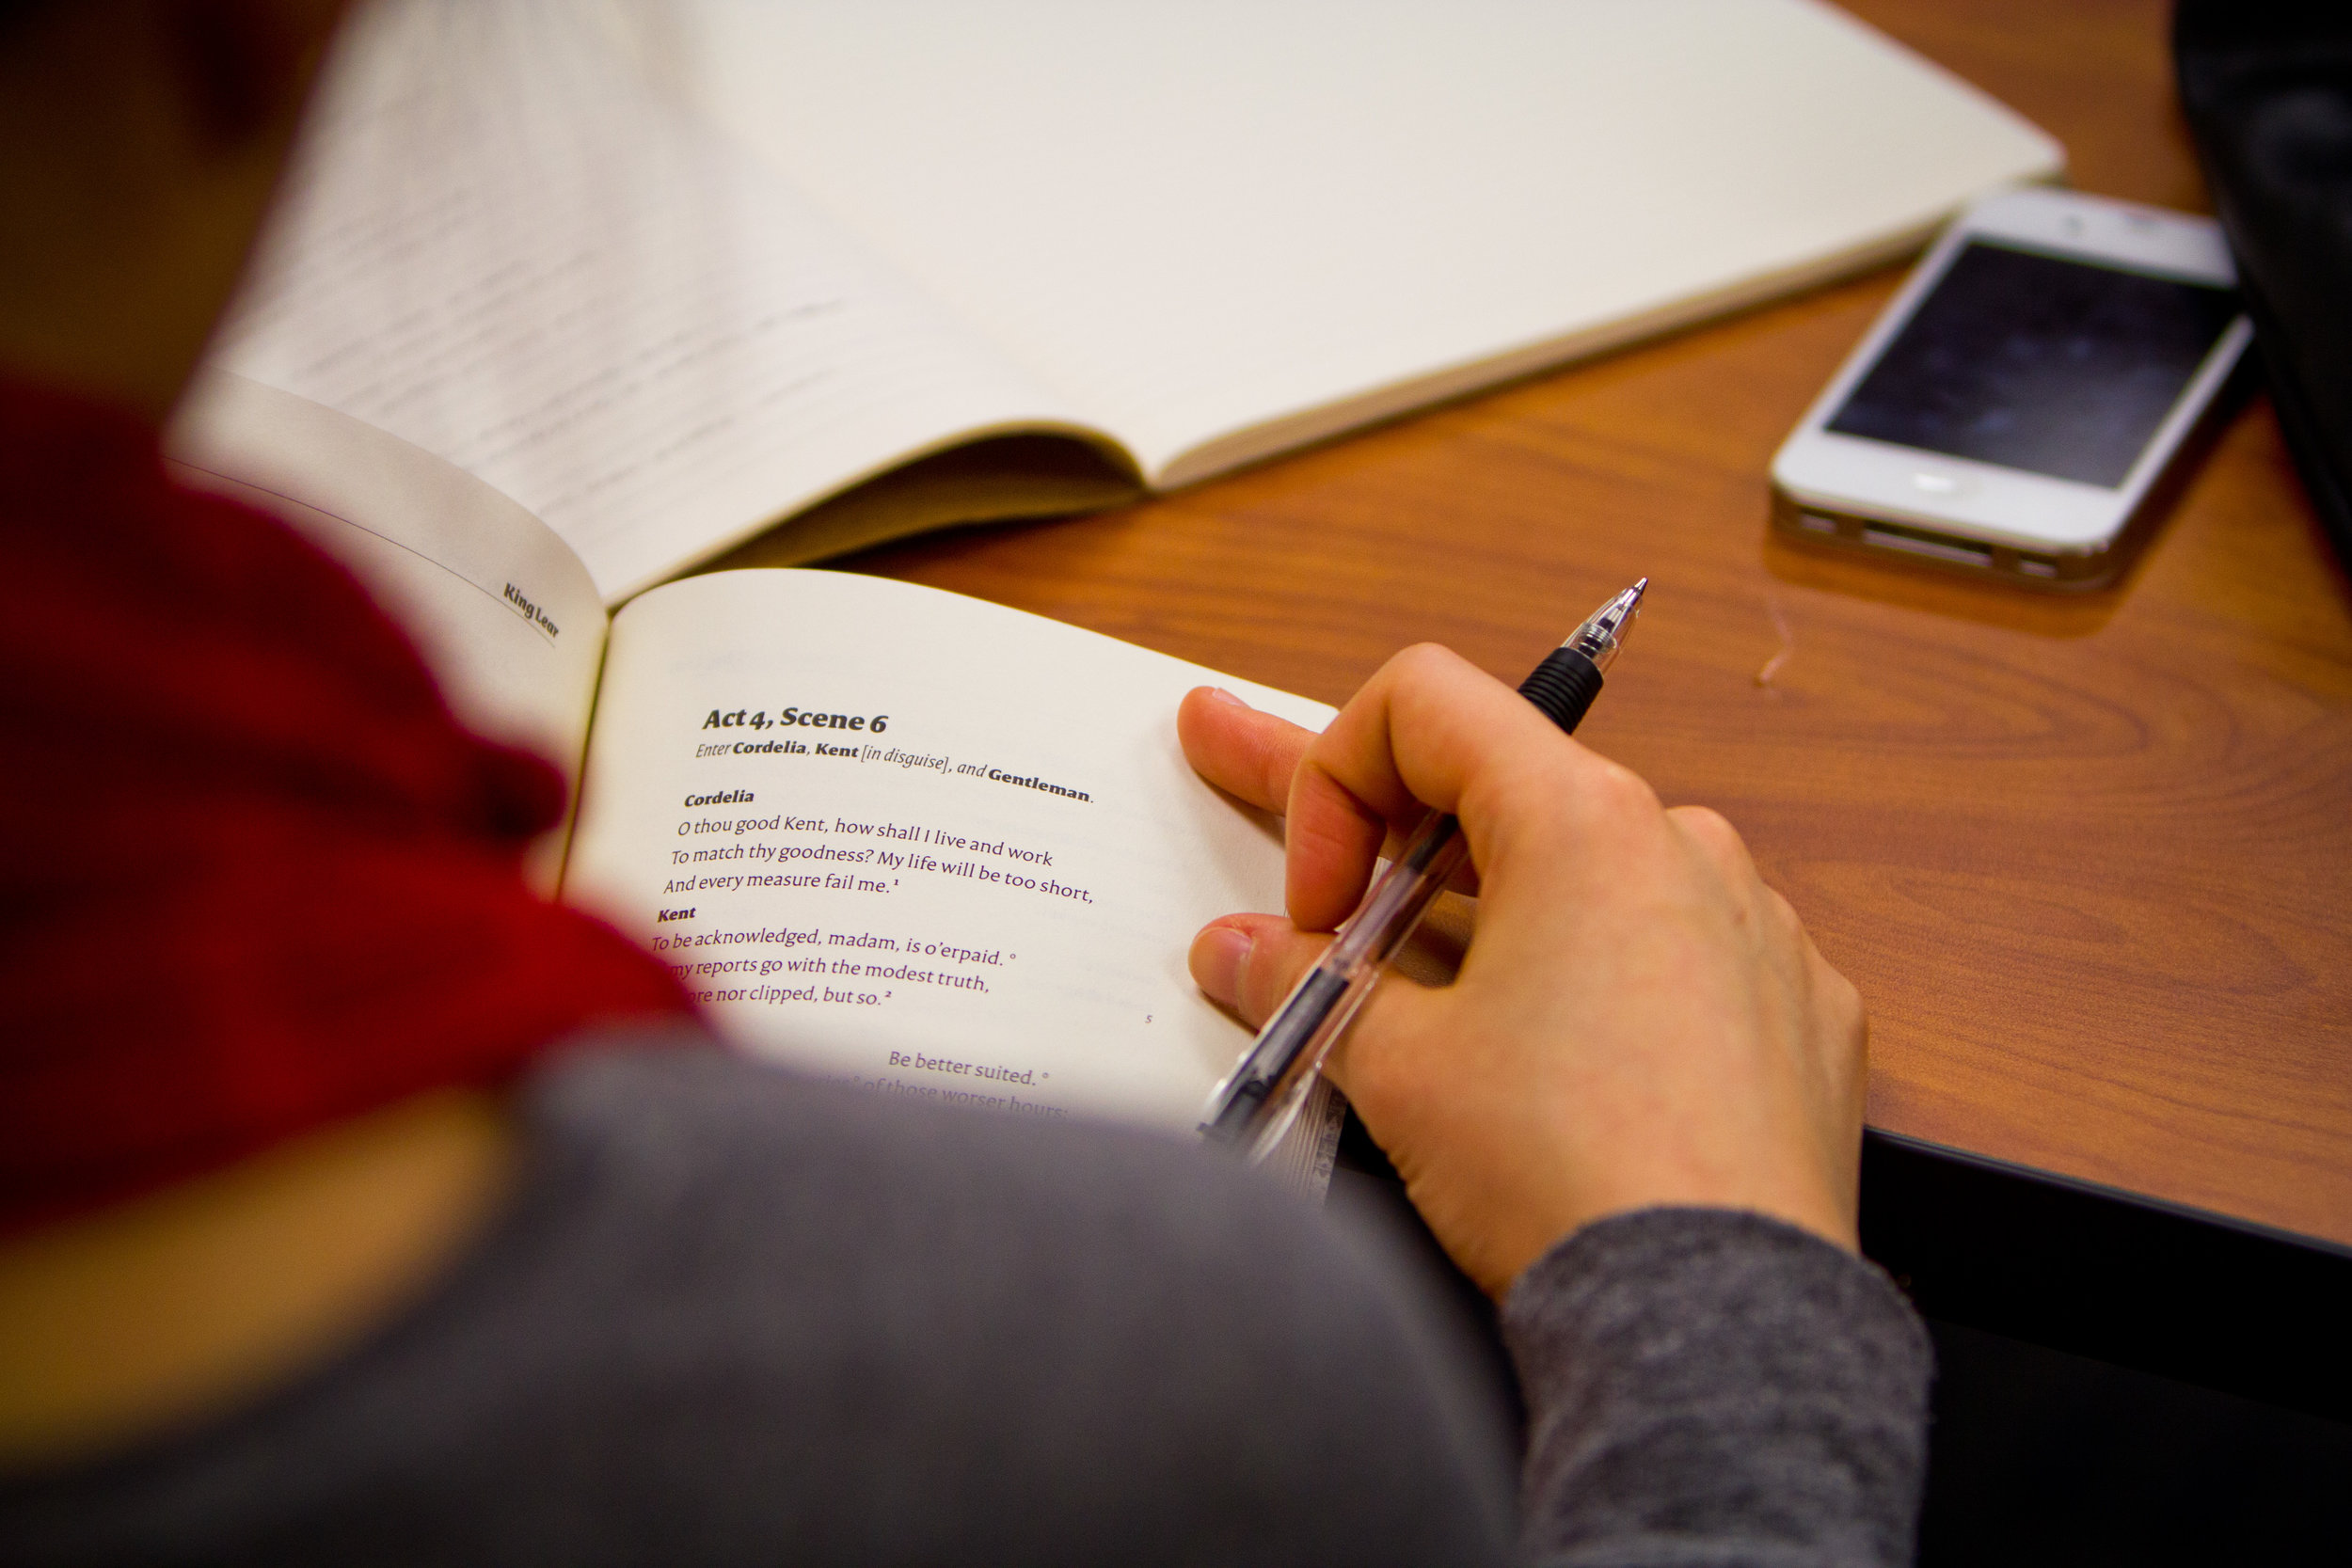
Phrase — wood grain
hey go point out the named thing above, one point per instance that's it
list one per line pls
(2088, 859)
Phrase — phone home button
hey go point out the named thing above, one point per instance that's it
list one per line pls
(1937, 484)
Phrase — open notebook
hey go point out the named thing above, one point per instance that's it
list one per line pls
(892, 835)
(670, 272)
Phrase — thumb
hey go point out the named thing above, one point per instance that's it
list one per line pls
(1249, 962)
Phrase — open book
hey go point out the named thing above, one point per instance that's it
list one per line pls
(890, 834)
(665, 273)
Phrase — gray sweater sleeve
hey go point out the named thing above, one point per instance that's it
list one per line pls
(733, 1316)
(1713, 1387)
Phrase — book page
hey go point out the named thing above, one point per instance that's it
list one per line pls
(502, 612)
(500, 246)
(926, 844)
(1222, 227)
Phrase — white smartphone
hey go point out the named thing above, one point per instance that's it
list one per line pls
(2019, 409)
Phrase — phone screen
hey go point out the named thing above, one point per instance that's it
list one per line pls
(2033, 361)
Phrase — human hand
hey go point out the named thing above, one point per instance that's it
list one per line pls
(1637, 1021)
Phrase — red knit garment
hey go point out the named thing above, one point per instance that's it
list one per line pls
(256, 878)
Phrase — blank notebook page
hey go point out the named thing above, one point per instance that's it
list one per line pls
(1212, 223)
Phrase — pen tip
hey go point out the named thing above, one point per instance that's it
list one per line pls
(1638, 588)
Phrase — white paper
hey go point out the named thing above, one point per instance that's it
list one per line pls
(980, 895)
(1221, 227)
(501, 247)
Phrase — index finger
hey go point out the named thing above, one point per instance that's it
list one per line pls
(1246, 753)
(1430, 731)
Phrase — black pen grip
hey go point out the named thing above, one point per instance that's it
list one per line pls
(1563, 687)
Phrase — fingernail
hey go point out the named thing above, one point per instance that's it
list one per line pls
(1218, 957)
(1218, 694)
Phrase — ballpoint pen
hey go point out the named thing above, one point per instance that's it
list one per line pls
(1256, 1103)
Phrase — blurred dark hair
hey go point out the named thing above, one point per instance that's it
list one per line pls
(15, 11)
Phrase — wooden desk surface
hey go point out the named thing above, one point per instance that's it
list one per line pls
(2088, 861)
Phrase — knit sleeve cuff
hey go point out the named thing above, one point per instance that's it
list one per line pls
(1711, 1386)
